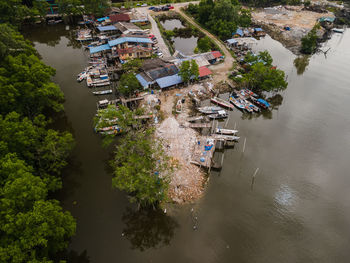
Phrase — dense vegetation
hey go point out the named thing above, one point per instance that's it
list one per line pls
(221, 17)
(139, 165)
(189, 70)
(264, 3)
(309, 42)
(33, 227)
(260, 75)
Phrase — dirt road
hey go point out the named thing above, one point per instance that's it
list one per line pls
(221, 70)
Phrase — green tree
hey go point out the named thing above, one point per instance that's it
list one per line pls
(96, 7)
(132, 65)
(265, 78)
(31, 228)
(194, 70)
(41, 7)
(128, 84)
(204, 44)
(309, 42)
(140, 168)
(13, 12)
(185, 71)
(70, 7)
(263, 56)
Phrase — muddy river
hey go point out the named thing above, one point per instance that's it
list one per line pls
(296, 210)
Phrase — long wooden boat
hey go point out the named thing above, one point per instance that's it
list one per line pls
(225, 137)
(102, 92)
(222, 103)
(209, 109)
(236, 103)
(225, 131)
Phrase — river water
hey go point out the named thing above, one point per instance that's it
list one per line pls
(297, 209)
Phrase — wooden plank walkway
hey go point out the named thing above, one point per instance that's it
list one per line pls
(199, 152)
(195, 118)
(200, 125)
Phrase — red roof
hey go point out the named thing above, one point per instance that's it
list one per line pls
(216, 54)
(120, 18)
(204, 71)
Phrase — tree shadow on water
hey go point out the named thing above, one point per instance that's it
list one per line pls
(275, 101)
(148, 228)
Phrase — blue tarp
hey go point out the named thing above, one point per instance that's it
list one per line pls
(258, 29)
(129, 39)
(106, 28)
(169, 81)
(327, 19)
(231, 41)
(99, 48)
(239, 32)
(264, 102)
(102, 18)
(142, 81)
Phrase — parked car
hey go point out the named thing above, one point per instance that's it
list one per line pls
(171, 7)
(159, 54)
(151, 8)
(151, 36)
(143, 5)
(165, 8)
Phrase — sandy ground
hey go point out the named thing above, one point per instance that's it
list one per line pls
(188, 180)
(273, 20)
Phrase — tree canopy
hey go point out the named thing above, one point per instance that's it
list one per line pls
(222, 17)
(309, 42)
(140, 168)
(128, 84)
(204, 44)
(33, 227)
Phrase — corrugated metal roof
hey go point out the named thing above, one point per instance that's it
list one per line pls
(106, 28)
(138, 20)
(142, 81)
(99, 48)
(231, 41)
(216, 54)
(128, 39)
(258, 29)
(120, 18)
(204, 71)
(169, 81)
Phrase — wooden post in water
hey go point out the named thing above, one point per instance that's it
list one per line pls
(222, 158)
(234, 126)
(245, 139)
(253, 177)
(227, 121)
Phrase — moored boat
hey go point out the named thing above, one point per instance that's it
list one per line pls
(209, 109)
(222, 103)
(102, 92)
(219, 115)
(225, 131)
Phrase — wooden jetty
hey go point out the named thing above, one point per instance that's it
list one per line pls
(126, 101)
(200, 125)
(140, 117)
(195, 118)
(202, 156)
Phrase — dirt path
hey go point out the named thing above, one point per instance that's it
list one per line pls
(220, 71)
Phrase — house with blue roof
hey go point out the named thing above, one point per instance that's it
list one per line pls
(238, 33)
(131, 47)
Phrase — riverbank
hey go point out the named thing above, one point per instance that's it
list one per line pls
(288, 24)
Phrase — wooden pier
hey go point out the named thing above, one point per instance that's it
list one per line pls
(195, 118)
(201, 156)
(200, 125)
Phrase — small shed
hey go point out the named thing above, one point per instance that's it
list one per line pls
(204, 72)
(119, 18)
(238, 33)
(259, 32)
(107, 29)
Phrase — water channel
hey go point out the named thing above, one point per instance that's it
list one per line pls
(296, 210)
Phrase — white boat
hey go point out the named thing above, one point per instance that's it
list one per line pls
(209, 109)
(102, 92)
(338, 30)
(101, 84)
(225, 131)
(219, 115)
(220, 137)
(82, 76)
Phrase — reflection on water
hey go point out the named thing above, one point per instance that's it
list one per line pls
(285, 196)
(171, 24)
(148, 228)
(74, 257)
(185, 45)
(301, 64)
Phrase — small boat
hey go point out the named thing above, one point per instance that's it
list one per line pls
(220, 115)
(236, 103)
(100, 84)
(262, 103)
(225, 131)
(225, 137)
(209, 109)
(222, 103)
(338, 30)
(102, 92)
(82, 76)
(179, 106)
